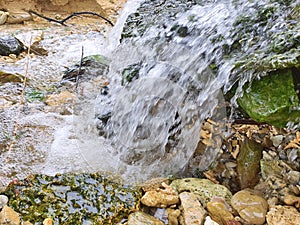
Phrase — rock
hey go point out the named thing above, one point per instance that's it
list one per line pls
(140, 218)
(9, 216)
(209, 221)
(48, 221)
(59, 2)
(219, 212)
(250, 206)
(3, 17)
(10, 45)
(154, 183)
(69, 198)
(3, 201)
(248, 166)
(173, 215)
(292, 200)
(204, 188)
(283, 215)
(9, 77)
(27, 223)
(61, 102)
(192, 210)
(18, 17)
(91, 66)
(272, 99)
(159, 199)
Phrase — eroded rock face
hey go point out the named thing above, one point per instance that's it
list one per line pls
(250, 206)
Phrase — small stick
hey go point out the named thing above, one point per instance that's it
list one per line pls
(62, 22)
(79, 69)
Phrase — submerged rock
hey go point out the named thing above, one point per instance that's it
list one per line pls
(10, 45)
(250, 206)
(272, 99)
(72, 199)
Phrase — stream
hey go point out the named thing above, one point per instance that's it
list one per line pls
(146, 125)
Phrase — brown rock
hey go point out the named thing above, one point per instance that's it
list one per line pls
(192, 210)
(48, 221)
(283, 215)
(219, 213)
(9, 216)
(292, 200)
(140, 218)
(159, 199)
(250, 206)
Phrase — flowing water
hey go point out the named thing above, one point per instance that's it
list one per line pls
(144, 125)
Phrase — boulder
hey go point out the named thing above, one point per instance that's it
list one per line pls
(272, 99)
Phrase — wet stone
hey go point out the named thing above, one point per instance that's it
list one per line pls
(10, 45)
(69, 198)
(250, 206)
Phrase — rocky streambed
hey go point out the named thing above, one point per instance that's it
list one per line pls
(241, 172)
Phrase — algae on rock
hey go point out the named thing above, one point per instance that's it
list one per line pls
(72, 199)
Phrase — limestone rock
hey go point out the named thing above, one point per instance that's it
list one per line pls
(250, 206)
(192, 210)
(204, 188)
(140, 218)
(283, 215)
(9, 216)
(159, 199)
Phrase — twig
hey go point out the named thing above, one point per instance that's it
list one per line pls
(79, 69)
(62, 22)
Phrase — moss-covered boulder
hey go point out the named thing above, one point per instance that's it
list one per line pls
(272, 99)
(72, 199)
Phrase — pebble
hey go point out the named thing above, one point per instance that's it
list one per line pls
(159, 199)
(3, 201)
(173, 215)
(250, 206)
(192, 211)
(140, 218)
(283, 215)
(9, 216)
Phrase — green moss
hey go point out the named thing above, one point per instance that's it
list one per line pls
(72, 199)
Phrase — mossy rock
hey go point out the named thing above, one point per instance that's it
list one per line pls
(72, 199)
(272, 99)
